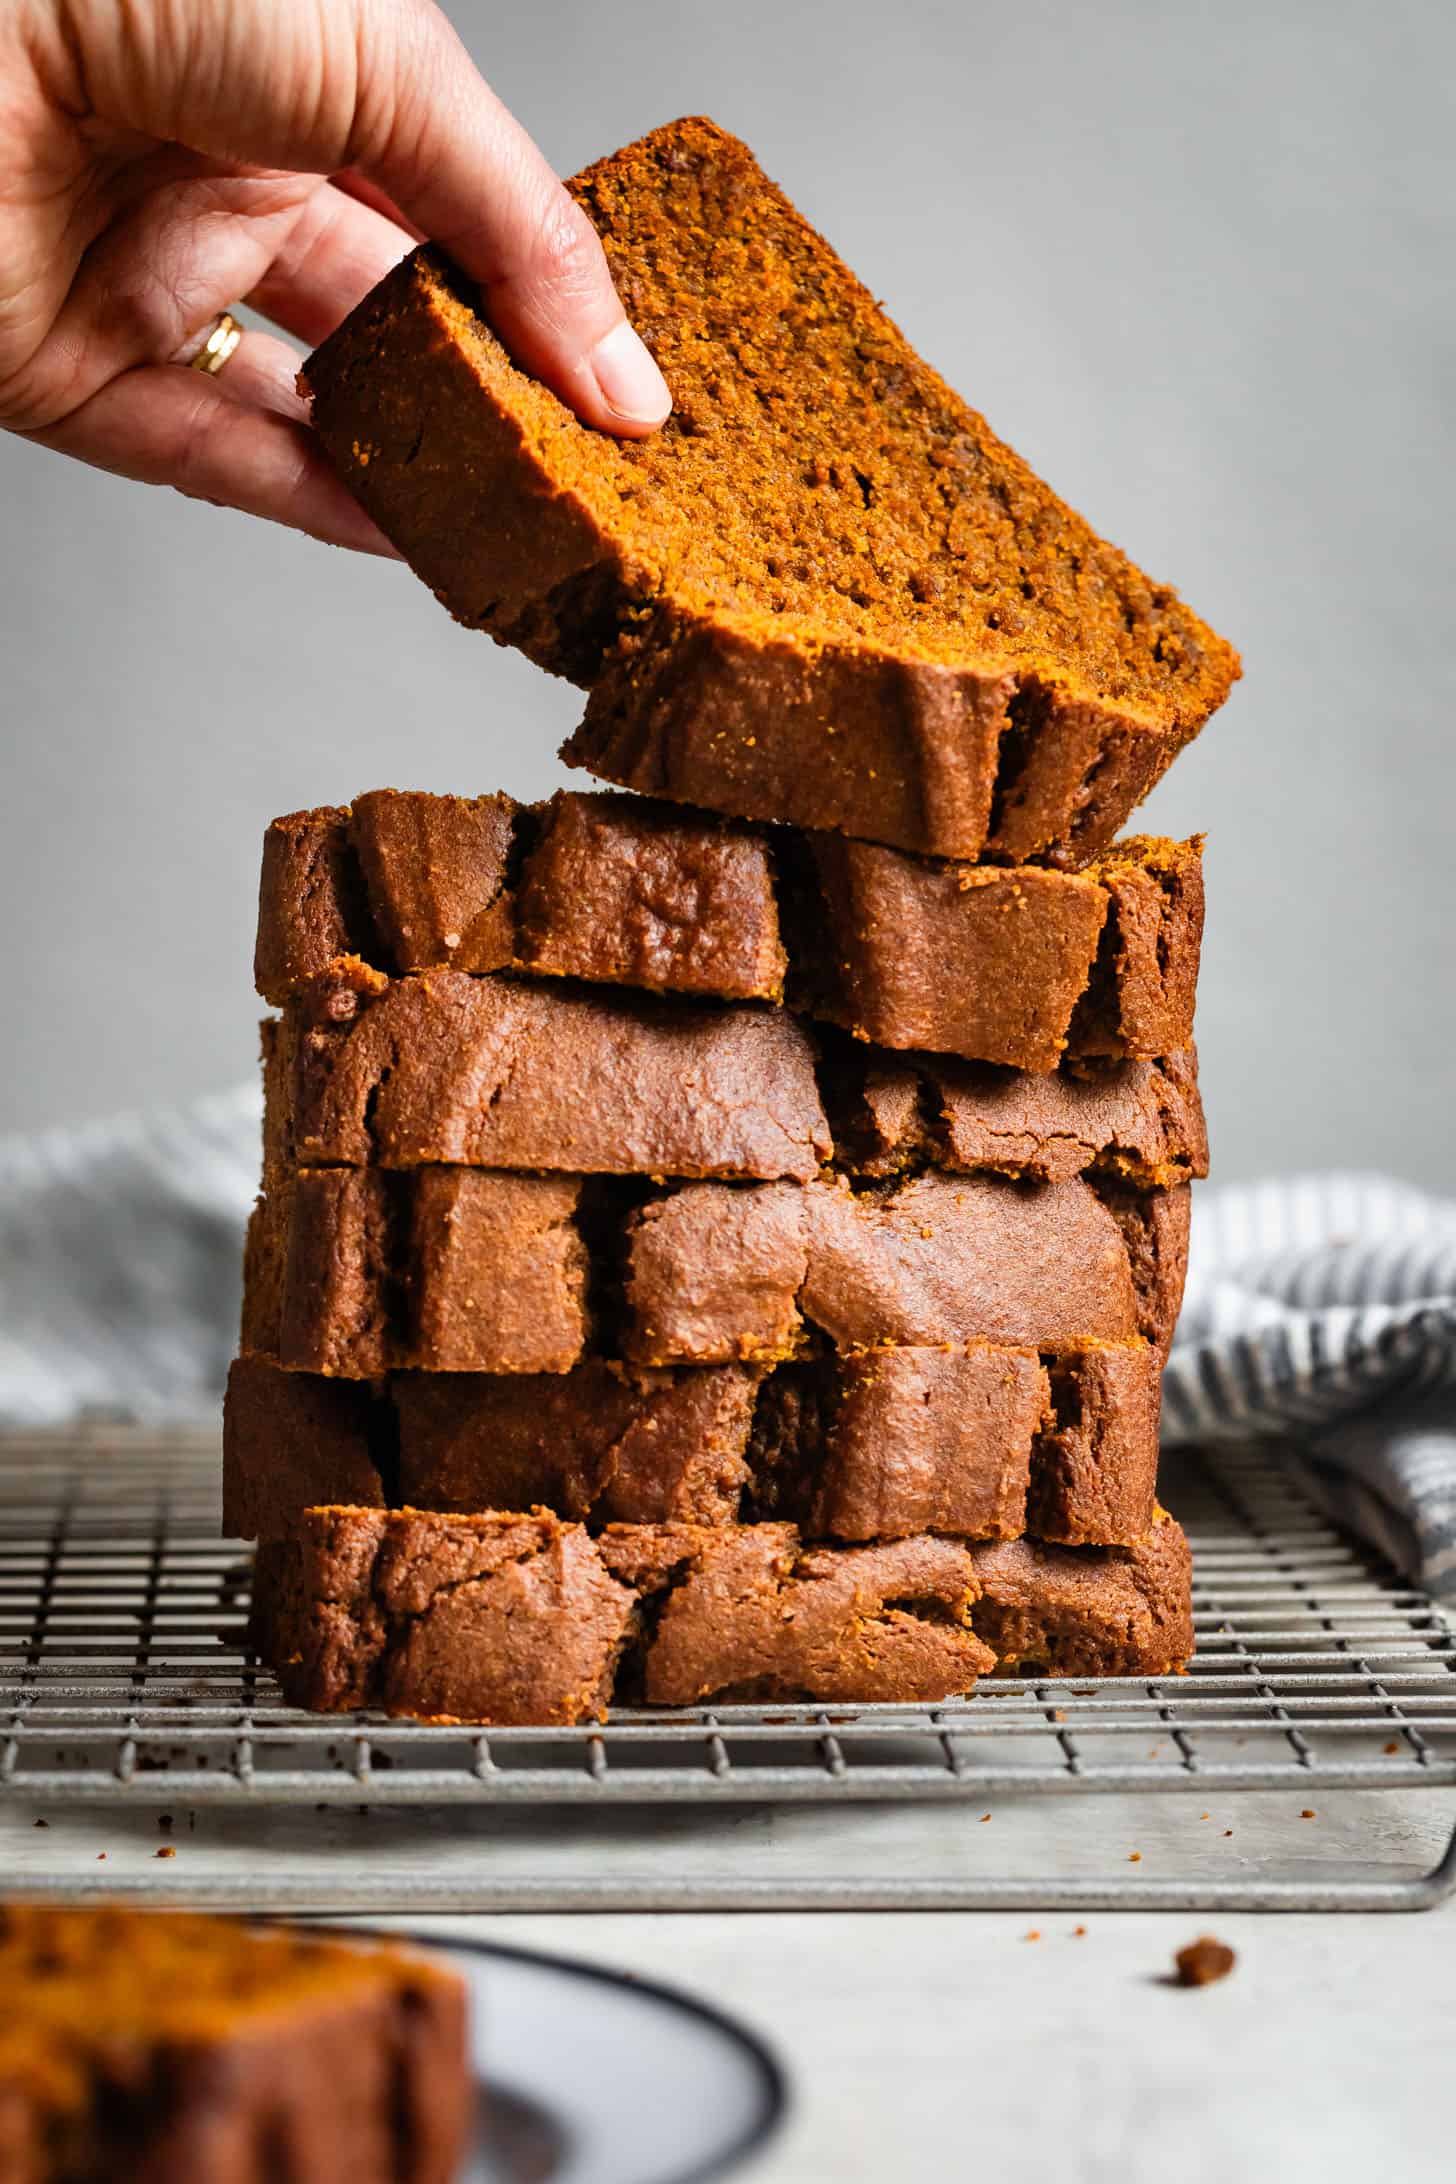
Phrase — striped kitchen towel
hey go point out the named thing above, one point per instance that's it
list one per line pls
(1321, 1311)
(120, 1264)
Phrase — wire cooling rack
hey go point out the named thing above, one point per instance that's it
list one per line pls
(123, 1677)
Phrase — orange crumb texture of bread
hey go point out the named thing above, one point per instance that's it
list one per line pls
(849, 487)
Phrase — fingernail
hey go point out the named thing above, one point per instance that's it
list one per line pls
(631, 385)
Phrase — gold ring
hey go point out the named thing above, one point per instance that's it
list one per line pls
(218, 344)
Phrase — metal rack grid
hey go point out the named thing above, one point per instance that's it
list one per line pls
(123, 1677)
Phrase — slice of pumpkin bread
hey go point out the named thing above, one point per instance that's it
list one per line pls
(359, 1271)
(999, 964)
(824, 593)
(144, 2048)
(517, 1618)
(983, 1440)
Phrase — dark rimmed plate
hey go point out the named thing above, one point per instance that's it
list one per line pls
(591, 2077)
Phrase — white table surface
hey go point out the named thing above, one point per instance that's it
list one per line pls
(927, 2042)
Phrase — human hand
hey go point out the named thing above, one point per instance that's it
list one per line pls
(160, 159)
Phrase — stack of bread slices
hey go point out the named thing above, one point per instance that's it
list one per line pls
(721, 1243)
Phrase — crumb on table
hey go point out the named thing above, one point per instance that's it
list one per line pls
(1204, 1961)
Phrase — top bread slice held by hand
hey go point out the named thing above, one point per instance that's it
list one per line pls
(825, 593)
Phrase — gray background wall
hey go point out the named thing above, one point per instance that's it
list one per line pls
(1195, 261)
